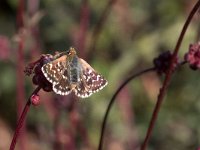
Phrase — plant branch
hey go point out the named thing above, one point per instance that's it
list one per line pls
(19, 66)
(99, 26)
(112, 101)
(84, 22)
(168, 77)
(22, 118)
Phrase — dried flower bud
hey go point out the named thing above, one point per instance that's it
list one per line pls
(29, 70)
(38, 77)
(162, 62)
(35, 100)
(193, 56)
(35, 79)
(37, 69)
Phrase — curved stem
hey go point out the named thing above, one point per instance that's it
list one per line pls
(112, 101)
(21, 119)
(168, 77)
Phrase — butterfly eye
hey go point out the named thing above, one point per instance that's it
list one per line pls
(69, 53)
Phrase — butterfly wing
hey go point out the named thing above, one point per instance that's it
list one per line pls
(81, 90)
(62, 88)
(52, 70)
(56, 73)
(91, 81)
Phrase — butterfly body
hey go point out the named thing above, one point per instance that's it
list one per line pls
(74, 70)
(69, 73)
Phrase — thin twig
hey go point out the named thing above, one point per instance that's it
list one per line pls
(22, 119)
(98, 28)
(168, 77)
(20, 100)
(112, 101)
(84, 22)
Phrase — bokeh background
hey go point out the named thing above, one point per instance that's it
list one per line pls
(118, 38)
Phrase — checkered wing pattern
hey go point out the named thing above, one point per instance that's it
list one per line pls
(55, 72)
(62, 87)
(91, 81)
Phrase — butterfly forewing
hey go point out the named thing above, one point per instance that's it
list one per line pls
(53, 71)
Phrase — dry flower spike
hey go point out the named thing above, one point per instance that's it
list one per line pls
(162, 62)
(38, 77)
(193, 56)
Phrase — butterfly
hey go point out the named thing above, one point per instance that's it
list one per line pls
(69, 73)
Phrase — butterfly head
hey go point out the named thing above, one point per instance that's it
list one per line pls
(71, 52)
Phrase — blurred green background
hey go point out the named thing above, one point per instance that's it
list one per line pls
(127, 39)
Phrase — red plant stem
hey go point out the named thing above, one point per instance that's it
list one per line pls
(32, 6)
(127, 113)
(19, 68)
(20, 79)
(168, 77)
(99, 26)
(20, 13)
(20, 59)
(56, 144)
(112, 101)
(79, 127)
(20, 89)
(22, 119)
(32, 9)
(85, 13)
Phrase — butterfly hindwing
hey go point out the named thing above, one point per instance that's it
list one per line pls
(81, 90)
(63, 87)
(91, 81)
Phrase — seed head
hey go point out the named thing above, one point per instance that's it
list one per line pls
(34, 69)
(193, 56)
(35, 100)
(162, 62)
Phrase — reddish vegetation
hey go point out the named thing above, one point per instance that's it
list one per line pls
(165, 64)
(193, 56)
(4, 48)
